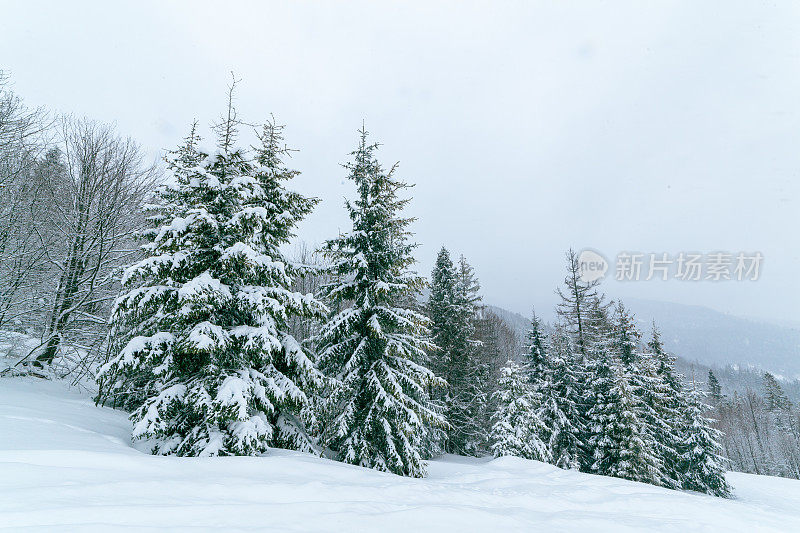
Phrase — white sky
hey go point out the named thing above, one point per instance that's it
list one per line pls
(527, 127)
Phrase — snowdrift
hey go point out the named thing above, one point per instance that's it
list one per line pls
(66, 464)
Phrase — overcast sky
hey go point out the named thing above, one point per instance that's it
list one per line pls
(528, 128)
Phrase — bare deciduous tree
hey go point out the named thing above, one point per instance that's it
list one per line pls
(23, 137)
(93, 212)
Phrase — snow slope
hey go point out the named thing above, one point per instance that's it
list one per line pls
(66, 464)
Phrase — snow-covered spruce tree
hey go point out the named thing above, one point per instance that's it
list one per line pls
(653, 399)
(207, 365)
(451, 311)
(667, 394)
(665, 362)
(441, 306)
(481, 373)
(774, 396)
(714, 389)
(618, 440)
(536, 353)
(539, 372)
(441, 311)
(702, 465)
(467, 284)
(516, 426)
(625, 335)
(778, 404)
(583, 314)
(561, 411)
(378, 409)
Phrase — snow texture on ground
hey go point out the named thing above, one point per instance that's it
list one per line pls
(68, 465)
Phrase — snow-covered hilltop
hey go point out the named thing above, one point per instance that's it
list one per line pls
(66, 464)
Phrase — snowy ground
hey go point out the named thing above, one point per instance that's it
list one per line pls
(66, 464)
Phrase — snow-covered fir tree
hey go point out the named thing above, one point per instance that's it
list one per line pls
(777, 403)
(616, 440)
(594, 355)
(560, 409)
(441, 310)
(517, 427)
(536, 353)
(662, 392)
(441, 306)
(451, 311)
(625, 335)
(774, 396)
(691, 447)
(702, 465)
(378, 408)
(617, 436)
(206, 363)
(467, 283)
(484, 366)
(714, 388)
(583, 315)
(537, 366)
(653, 400)
(664, 361)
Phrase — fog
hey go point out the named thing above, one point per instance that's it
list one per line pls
(527, 128)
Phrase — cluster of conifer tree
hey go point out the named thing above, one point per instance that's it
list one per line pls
(591, 395)
(205, 353)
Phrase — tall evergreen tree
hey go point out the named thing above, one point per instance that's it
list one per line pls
(626, 337)
(451, 311)
(653, 397)
(442, 311)
(583, 314)
(536, 352)
(664, 361)
(378, 409)
(476, 383)
(540, 374)
(691, 457)
(442, 304)
(517, 426)
(562, 396)
(206, 362)
(778, 404)
(618, 439)
(714, 388)
(662, 417)
(774, 396)
(702, 464)
(467, 283)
